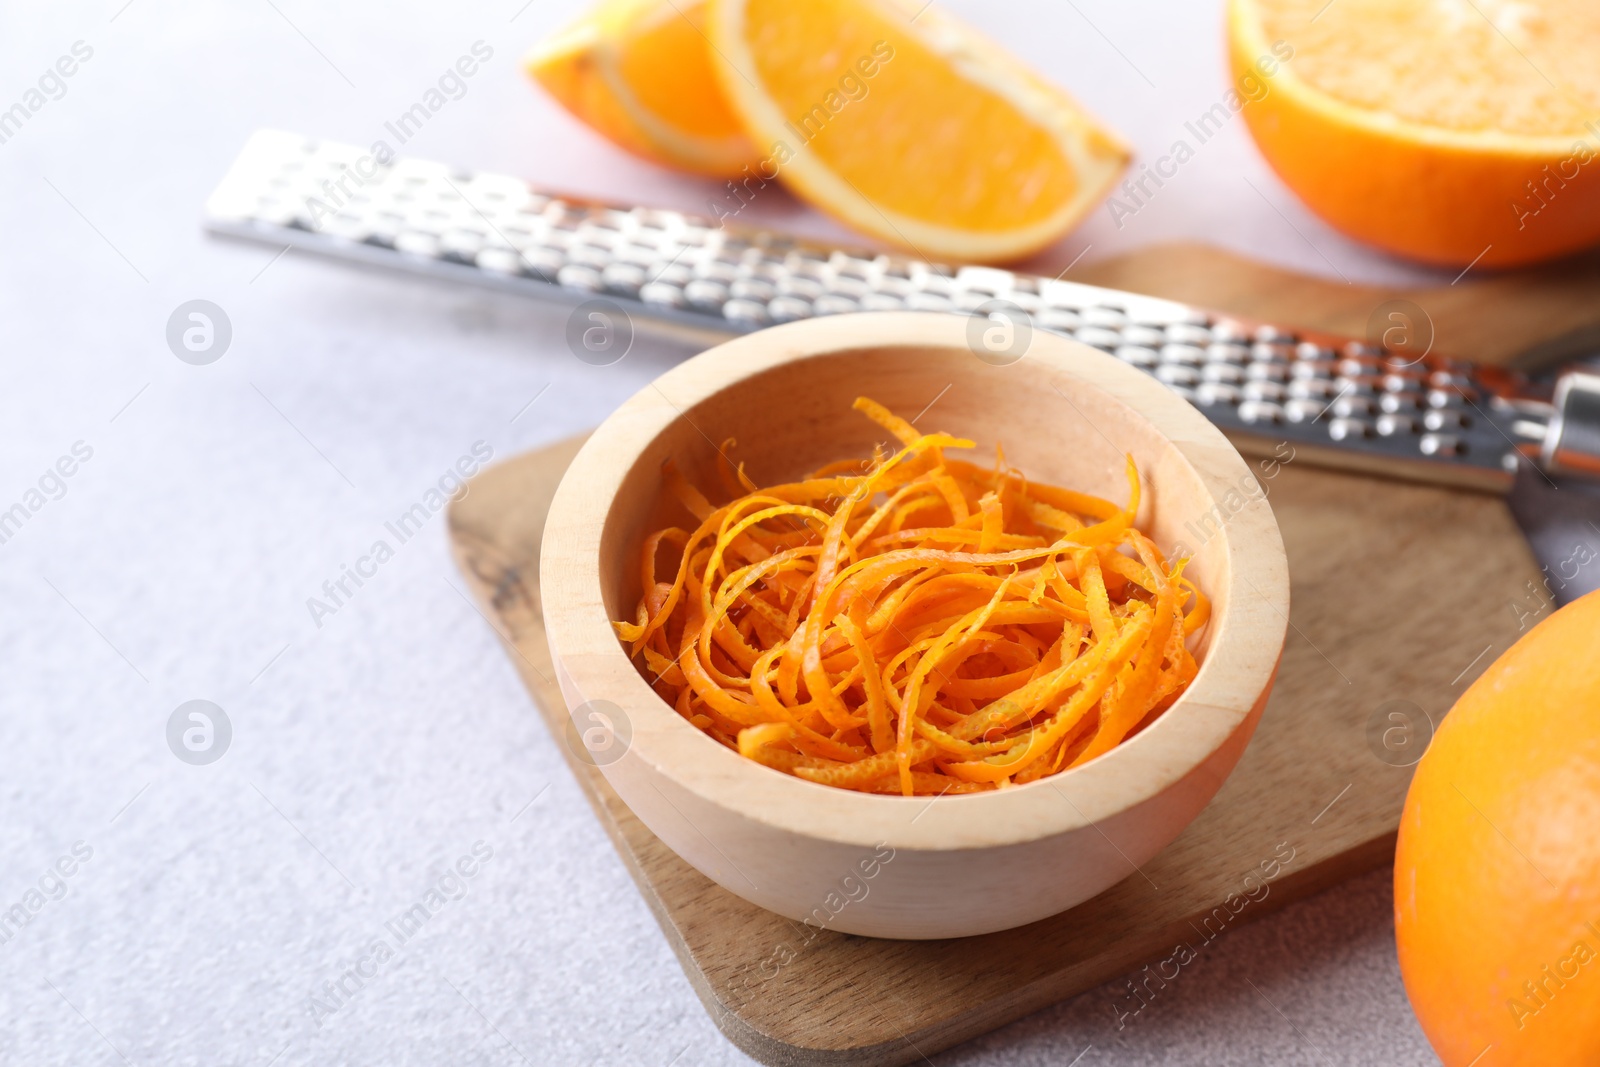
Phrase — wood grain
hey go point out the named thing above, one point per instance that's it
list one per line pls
(1397, 591)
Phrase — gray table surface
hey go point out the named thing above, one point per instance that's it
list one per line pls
(375, 747)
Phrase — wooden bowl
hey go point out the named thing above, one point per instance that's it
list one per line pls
(912, 867)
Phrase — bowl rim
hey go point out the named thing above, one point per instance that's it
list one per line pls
(1240, 662)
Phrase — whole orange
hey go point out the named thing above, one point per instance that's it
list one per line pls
(1497, 872)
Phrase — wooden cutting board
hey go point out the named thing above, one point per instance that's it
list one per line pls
(1402, 595)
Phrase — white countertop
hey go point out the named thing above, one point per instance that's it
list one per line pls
(374, 746)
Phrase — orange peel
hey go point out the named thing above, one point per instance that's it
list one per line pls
(1015, 631)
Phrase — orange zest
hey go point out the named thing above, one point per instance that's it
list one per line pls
(913, 624)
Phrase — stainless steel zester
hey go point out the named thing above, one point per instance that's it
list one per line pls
(1337, 401)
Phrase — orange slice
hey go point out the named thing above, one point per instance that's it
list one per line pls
(638, 72)
(909, 126)
(1442, 130)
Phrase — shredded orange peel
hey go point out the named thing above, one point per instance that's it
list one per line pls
(914, 624)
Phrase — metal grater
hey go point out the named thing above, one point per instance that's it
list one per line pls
(1337, 401)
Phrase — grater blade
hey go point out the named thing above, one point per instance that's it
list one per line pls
(1336, 401)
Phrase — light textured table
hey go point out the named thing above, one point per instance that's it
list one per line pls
(375, 745)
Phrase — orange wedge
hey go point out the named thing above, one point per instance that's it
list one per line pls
(908, 125)
(1448, 131)
(638, 72)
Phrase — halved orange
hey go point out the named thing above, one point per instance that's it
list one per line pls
(638, 72)
(1448, 131)
(909, 126)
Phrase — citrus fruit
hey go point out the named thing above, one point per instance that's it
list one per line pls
(908, 125)
(1447, 131)
(1497, 872)
(638, 72)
